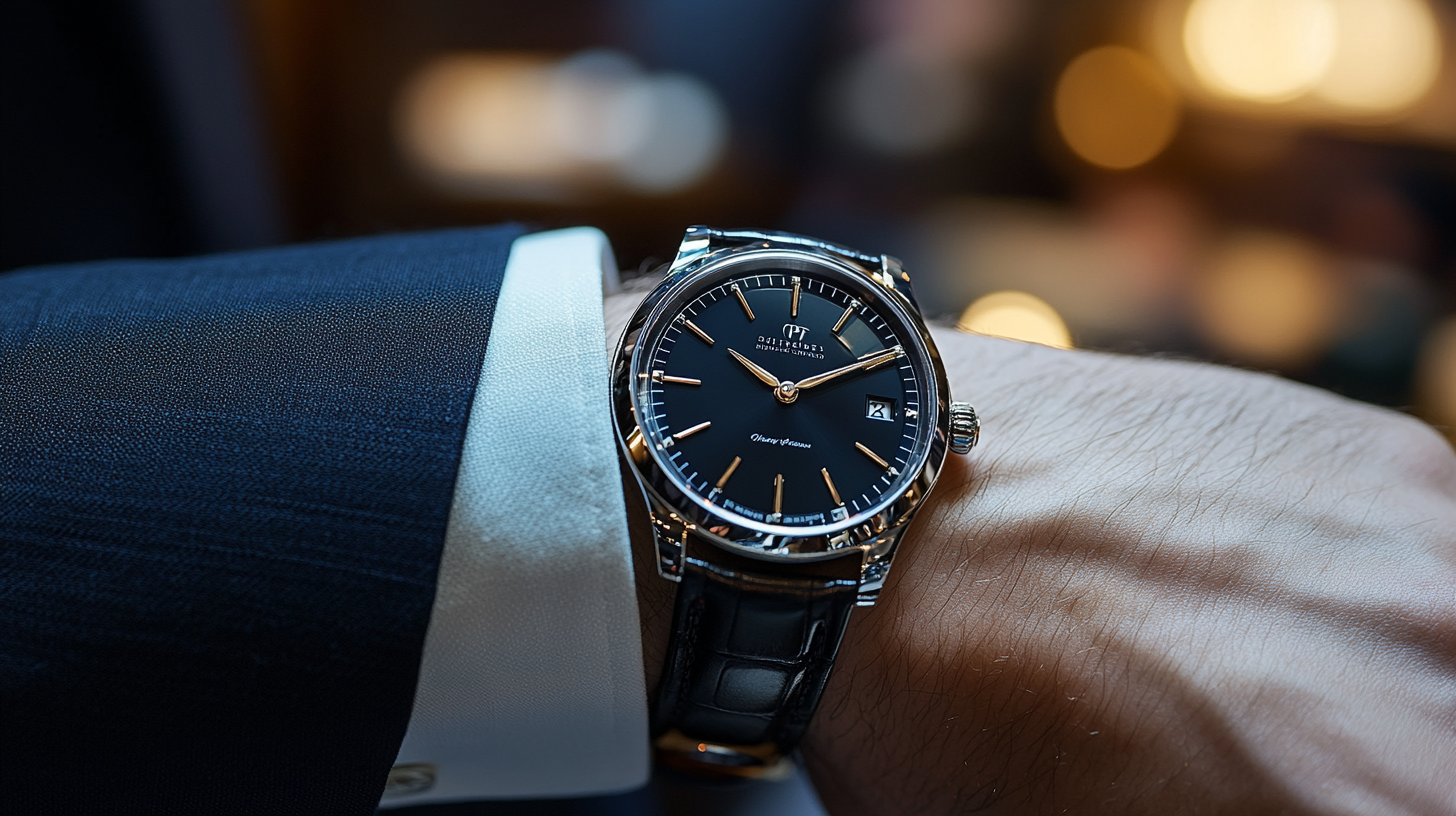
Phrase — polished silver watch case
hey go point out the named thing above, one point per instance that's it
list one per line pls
(677, 511)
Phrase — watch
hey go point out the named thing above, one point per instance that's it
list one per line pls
(785, 412)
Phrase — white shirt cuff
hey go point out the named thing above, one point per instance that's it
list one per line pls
(531, 681)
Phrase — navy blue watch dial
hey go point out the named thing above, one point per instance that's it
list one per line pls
(785, 398)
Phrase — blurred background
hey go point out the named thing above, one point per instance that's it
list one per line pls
(1265, 183)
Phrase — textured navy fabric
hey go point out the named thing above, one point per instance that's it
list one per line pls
(224, 484)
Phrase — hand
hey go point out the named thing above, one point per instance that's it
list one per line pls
(863, 364)
(758, 371)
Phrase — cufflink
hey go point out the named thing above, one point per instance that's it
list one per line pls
(414, 777)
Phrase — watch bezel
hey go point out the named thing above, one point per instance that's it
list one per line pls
(876, 528)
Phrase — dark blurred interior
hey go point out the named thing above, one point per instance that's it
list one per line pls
(1109, 175)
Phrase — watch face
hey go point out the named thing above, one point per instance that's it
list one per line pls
(792, 401)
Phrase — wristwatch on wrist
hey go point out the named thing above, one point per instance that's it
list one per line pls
(785, 412)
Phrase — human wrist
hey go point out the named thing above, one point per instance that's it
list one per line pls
(1140, 594)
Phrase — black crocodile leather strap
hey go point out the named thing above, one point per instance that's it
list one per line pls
(749, 657)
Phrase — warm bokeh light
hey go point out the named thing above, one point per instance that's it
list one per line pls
(1016, 316)
(1260, 50)
(509, 125)
(1388, 56)
(474, 115)
(1436, 379)
(1269, 300)
(1115, 108)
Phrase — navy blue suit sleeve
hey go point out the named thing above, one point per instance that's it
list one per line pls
(224, 484)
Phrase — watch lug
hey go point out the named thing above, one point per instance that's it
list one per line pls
(669, 536)
(892, 276)
(695, 244)
(669, 555)
(876, 567)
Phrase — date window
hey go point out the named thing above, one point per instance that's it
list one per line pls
(881, 408)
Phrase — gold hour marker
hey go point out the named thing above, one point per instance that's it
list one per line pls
(829, 483)
(702, 335)
(844, 318)
(722, 480)
(681, 380)
(778, 493)
(684, 434)
(844, 343)
(874, 457)
(794, 304)
(742, 301)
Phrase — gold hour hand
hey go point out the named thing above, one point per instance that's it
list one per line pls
(758, 371)
(863, 364)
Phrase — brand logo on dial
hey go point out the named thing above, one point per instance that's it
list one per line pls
(795, 333)
(783, 442)
(795, 347)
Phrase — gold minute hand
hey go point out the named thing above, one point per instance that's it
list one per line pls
(860, 365)
(758, 371)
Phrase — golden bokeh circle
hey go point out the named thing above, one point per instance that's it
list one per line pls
(1016, 316)
(1115, 109)
(1260, 50)
(1388, 56)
